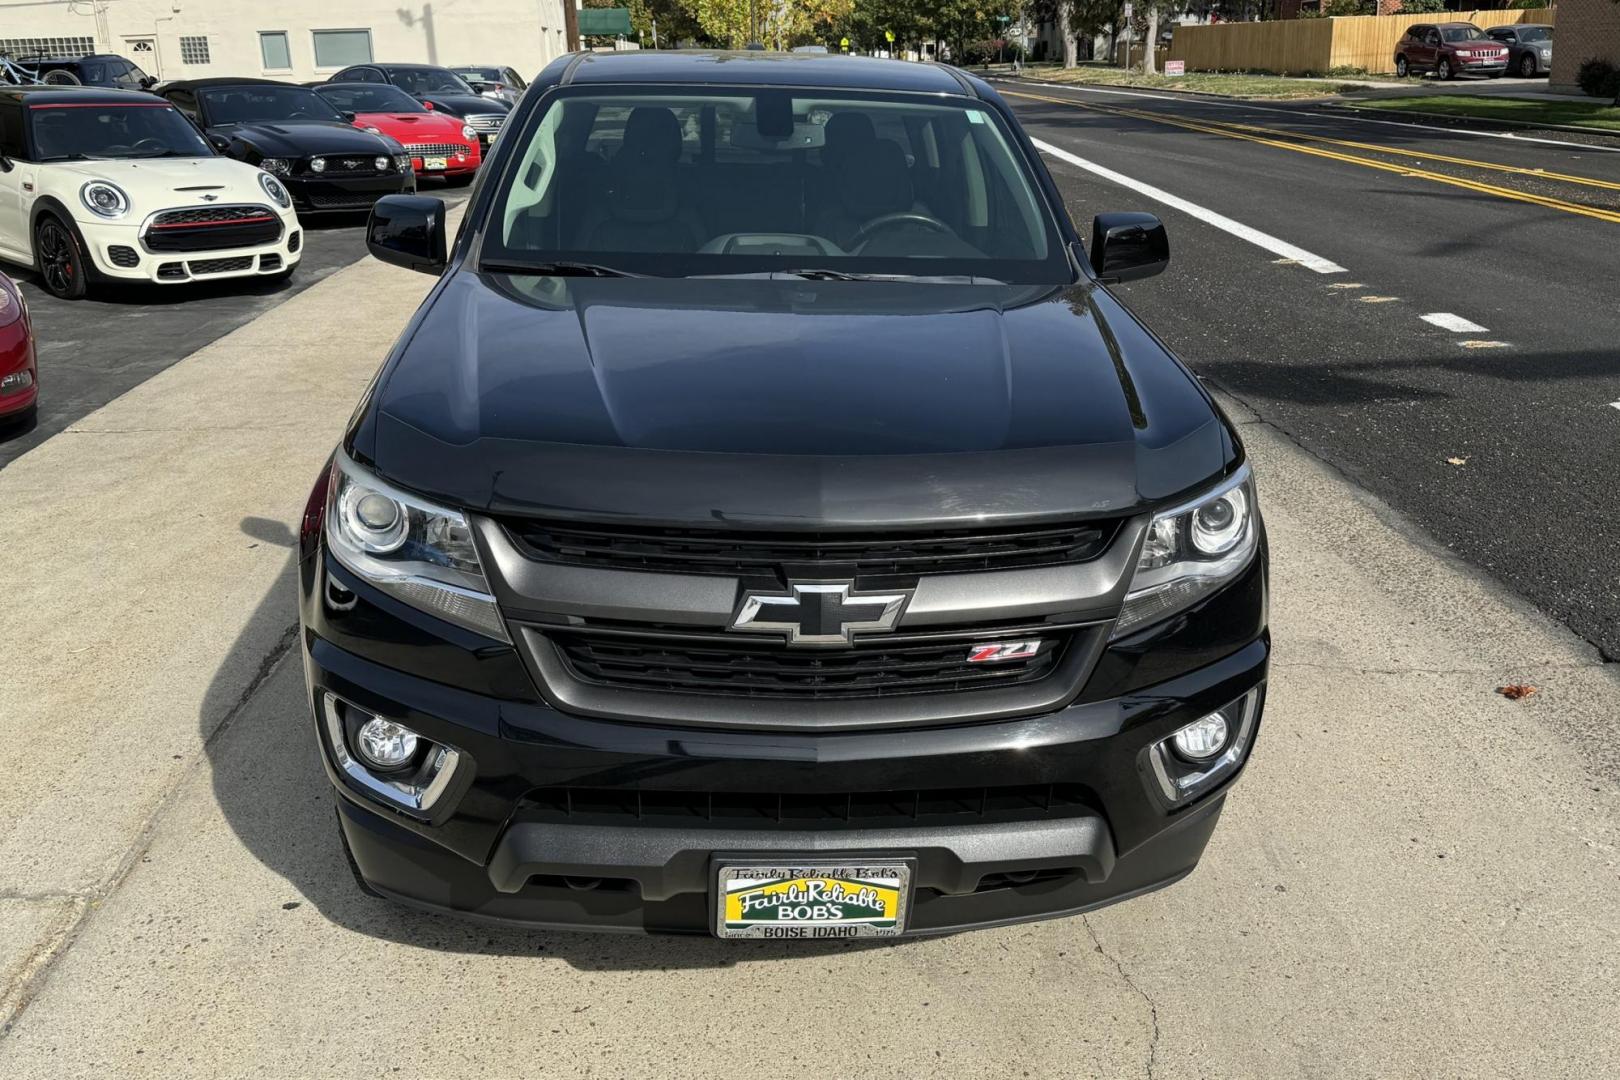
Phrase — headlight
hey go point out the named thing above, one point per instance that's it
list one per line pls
(416, 552)
(275, 189)
(382, 163)
(1191, 551)
(402, 162)
(275, 165)
(317, 164)
(104, 199)
(468, 132)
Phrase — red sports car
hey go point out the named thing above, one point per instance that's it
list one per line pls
(439, 144)
(19, 378)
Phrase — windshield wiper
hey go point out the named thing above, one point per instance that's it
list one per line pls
(822, 274)
(555, 269)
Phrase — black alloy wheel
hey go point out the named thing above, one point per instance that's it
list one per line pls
(56, 253)
(1527, 66)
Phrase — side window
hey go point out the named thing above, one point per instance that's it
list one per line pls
(1433, 37)
(12, 143)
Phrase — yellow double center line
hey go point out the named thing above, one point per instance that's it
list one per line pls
(1284, 141)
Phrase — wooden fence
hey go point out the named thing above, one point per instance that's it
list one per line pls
(1299, 46)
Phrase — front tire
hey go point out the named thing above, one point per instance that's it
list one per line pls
(1401, 70)
(1445, 72)
(58, 259)
(1527, 66)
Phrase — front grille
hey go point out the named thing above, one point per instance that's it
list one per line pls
(220, 266)
(799, 810)
(342, 201)
(716, 666)
(699, 551)
(212, 228)
(435, 149)
(486, 121)
(123, 256)
(356, 165)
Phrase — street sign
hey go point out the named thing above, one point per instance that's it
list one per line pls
(888, 35)
(843, 43)
(1175, 67)
(1127, 10)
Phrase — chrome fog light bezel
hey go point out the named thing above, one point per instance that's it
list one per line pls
(417, 792)
(1182, 781)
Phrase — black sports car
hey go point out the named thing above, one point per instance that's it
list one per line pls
(293, 132)
(438, 88)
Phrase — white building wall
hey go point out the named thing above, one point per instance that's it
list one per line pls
(527, 34)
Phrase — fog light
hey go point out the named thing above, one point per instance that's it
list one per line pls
(385, 744)
(317, 164)
(16, 382)
(1202, 739)
(381, 163)
(1196, 759)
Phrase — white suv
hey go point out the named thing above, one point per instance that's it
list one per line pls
(112, 185)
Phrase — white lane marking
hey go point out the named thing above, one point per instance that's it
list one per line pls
(1209, 217)
(1296, 114)
(1483, 344)
(1445, 320)
(1614, 404)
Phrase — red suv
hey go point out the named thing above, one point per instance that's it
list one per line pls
(1449, 50)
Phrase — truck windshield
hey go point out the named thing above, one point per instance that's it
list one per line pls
(691, 182)
(74, 132)
(248, 104)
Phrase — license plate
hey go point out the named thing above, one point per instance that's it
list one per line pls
(812, 900)
(434, 163)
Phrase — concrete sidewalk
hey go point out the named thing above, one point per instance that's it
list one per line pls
(1416, 878)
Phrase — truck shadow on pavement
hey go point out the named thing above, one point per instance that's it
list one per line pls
(272, 791)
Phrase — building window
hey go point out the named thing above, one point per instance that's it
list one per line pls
(274, 51)
(340, 48)
(194, 50)
(56, 48)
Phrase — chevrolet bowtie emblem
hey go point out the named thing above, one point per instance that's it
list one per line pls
(824, 613)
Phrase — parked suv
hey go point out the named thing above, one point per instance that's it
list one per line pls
(1449, 50)
(770, 525)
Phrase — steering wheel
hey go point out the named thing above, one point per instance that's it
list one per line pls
(890, 221)
(150, 143)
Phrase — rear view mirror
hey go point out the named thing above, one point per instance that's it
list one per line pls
(1125, 247)
(408, 231)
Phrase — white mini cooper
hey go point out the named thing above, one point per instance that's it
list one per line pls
(112, 185)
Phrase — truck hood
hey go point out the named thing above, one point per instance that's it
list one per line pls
(786, 401)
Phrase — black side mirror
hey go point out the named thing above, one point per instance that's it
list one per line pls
(1125, 247)
(219, 142)
(349, 117)
(5, 163)
(408, 231)
(148, 81)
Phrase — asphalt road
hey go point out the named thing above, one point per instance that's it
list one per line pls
(1490, 424)
(92, 351)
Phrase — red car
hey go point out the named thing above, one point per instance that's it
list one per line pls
(1449, 50)
(19, 377)
(439, 144)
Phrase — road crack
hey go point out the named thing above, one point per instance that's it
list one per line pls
(1125, 977)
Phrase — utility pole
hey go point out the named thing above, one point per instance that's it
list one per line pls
(655, 34)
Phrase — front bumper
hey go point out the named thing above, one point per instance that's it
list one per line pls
(340, 194)
(118, 253)
(491, 850)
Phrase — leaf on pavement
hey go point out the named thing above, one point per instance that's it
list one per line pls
(1516, 691)
(1456, 461)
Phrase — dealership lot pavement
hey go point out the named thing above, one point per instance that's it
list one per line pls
(1415, 879)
